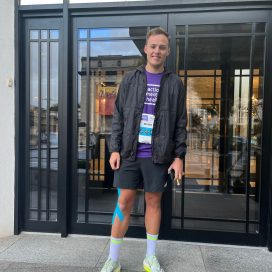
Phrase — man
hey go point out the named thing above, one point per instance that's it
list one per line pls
(148, 140)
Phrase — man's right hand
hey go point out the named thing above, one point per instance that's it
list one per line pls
(115, 160)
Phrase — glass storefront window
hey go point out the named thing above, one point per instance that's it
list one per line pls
(103, 59)
(256, 129)
(220, 29)
(43, 118)
(117, 32)
(217, 79)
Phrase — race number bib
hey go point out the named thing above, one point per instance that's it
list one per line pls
(146, 127)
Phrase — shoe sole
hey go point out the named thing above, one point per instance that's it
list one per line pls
(147, 268)
(118, 269)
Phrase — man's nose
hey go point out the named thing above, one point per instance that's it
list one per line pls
(157, 49)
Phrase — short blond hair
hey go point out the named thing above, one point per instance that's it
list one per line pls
(157, 31)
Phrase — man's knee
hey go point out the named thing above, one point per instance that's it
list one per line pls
(125, 204)
(153, 201)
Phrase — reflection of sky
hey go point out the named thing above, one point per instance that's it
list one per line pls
(110, 32)
(34, 70)
(116, 32)
(108, 48)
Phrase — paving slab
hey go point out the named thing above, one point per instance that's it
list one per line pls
(47, 253)
(4, 265)
(6, 242)
(173, 256)
(179, 256)
(131, 255)
(52, 249)
(27, 267)
(238, 259)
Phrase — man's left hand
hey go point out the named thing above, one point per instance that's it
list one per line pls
(177, 166)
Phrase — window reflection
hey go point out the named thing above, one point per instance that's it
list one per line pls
(118, 32)
(100, 72)
(43, 131)
(220, 29)
(121, 48)
(218, 100)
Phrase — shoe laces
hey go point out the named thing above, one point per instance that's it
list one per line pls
(154, 263)
(109, 266)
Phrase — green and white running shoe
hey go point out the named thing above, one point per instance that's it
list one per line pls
(111, 266)
(151, 264)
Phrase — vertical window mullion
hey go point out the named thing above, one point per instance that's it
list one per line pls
(214, 97)
(33, 128)
(87, 127)
(185, 87)
(252, 47)
(48, 128)
(39, 126)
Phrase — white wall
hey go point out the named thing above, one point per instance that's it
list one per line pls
(7, 118)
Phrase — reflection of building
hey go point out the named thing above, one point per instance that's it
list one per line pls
(106, 73)
(34, 123)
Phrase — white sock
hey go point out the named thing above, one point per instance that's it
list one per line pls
(115, 246)
(151, 240)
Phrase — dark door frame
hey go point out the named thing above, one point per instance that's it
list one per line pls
(100, 22)
(25, 224)
(225, 17)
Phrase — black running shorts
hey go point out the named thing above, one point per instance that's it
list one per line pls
(141, 173)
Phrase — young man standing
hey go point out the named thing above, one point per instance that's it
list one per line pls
(148, 140)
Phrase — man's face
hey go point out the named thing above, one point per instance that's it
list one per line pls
(157, 49)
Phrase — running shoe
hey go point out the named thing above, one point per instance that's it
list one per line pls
(111, 266)
(151, 264)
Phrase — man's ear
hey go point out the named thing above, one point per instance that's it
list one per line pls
(145, 48)
(168, 51)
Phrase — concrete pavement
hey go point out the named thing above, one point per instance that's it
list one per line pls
(37, 252)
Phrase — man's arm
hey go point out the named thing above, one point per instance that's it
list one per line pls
(181, 123)
(180, 133)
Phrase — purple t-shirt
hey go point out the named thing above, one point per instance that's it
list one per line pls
(146, 126)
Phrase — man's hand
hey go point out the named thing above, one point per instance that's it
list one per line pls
(177, 166)
(115, 160)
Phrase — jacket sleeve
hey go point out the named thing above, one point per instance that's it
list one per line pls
(181, 123)
(118, 120)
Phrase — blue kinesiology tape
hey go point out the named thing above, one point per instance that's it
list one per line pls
(117, 211)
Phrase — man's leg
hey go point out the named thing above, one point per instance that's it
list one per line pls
(125, 202)
(152, 220)
(152, 224)
(119, 228)
(120, 225)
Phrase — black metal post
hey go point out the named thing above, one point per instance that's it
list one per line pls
(269, 240)
(63, 95)
(267, 144)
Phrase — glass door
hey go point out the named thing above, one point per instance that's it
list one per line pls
(105, 49)
(221, 63)
(42, 88)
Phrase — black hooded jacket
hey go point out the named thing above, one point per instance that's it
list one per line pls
(169, 130)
